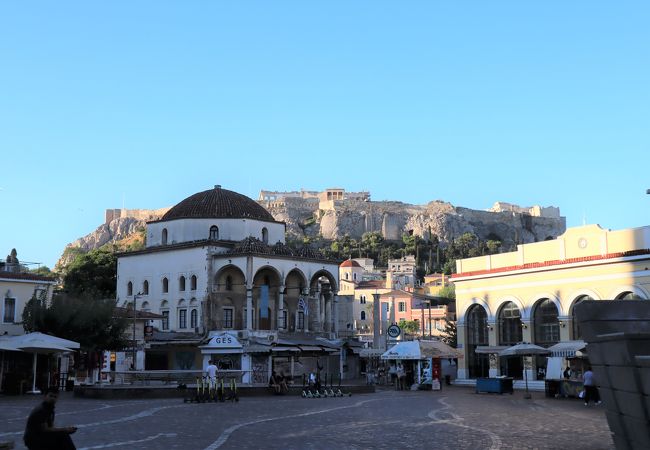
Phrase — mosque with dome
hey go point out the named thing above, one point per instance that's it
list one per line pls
(216, 265)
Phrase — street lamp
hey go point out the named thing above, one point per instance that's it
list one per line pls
(135, 297)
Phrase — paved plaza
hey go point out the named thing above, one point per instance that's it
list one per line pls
(455, 418)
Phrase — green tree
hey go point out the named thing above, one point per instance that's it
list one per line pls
(93, 273)
(449, 334)
(449, 291)
(85, 319)
(409, 326)
(44, 271)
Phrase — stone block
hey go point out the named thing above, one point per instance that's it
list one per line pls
(598, 317)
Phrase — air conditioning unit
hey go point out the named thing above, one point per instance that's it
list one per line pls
(243, 334)
(271, 338)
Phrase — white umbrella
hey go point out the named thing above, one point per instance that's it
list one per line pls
(525, 349)
(41, 343)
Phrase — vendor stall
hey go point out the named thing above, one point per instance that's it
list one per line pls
(564, 369)
(422, 360)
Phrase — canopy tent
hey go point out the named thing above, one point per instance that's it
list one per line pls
(40, 343)
(416, 350)
(567, 349)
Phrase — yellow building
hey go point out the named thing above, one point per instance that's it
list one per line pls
(529, 295)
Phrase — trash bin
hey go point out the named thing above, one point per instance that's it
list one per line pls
(69, 385)
(448, 380)
(552, 388)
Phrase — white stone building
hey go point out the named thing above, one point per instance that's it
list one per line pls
(217, 262)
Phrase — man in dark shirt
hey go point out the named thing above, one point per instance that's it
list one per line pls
(40, 433)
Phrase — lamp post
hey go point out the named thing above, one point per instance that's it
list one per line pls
(135, 344)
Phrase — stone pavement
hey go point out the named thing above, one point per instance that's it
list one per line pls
(455, 418)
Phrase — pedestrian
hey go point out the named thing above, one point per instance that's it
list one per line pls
(401, 377)
(282, 380)
(211, 372)
(40, 433)
(590, 389)
(274, 383)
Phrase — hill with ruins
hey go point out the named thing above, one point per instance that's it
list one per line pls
(334, 213)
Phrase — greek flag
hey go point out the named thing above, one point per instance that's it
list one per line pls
(302, 304)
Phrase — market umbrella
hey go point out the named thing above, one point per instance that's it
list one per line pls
(39, 343)
(525, 349)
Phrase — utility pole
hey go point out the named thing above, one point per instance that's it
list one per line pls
(135, 345)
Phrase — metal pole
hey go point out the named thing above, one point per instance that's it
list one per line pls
(135, 297)
(430, 330)
(422, 309)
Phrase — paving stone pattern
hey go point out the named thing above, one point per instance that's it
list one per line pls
(455, 418)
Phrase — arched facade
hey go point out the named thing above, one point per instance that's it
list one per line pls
(476, 327)
(546, 280)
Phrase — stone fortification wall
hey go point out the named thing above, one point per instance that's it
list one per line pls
(140, 214)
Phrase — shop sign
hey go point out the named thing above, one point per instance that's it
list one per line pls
(394, 331)
(224, 341)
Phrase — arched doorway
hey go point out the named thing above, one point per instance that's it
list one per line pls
(476, 325)
(510, 333)
(266, 287)
(225, 308)
(546, 331)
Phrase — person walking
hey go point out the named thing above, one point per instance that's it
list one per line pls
(40, 433)
(211, 372)
(590, 389)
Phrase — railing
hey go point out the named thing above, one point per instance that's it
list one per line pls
(170, 377)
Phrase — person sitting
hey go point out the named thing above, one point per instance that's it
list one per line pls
(40, 432)
(312, 380)
(273, 383)
(567, 373)
(282, 381)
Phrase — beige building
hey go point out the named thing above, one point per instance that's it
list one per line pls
(529, 295)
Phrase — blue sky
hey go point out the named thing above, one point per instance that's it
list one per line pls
(536, 102)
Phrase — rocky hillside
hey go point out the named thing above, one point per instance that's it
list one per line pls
(392, 219)
(125, 229)
(125, 233)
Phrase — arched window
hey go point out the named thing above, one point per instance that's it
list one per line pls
(265, 235)
(129, 288)
(576, 333)
(145, 287)
(546, 325)
(214, 233)
(347, 275)
(164, 236)
(165, 285)
(145, 306)
(182, 314)
(628, 296)
(194, 318)
(181, 283)
(164, 311)
(193, 283)
(510, 325)
(363, 315)
(354, 276)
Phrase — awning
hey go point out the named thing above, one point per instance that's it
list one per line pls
(258, 349)
(371, 352)
(567, 349)
(490, 348)
(311, 348)
(285, 349)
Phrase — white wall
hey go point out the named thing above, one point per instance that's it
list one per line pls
(187, 230)
(153, 267)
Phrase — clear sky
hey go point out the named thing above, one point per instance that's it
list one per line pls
(529, 102)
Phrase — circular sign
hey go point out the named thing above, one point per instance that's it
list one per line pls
(394, 331)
